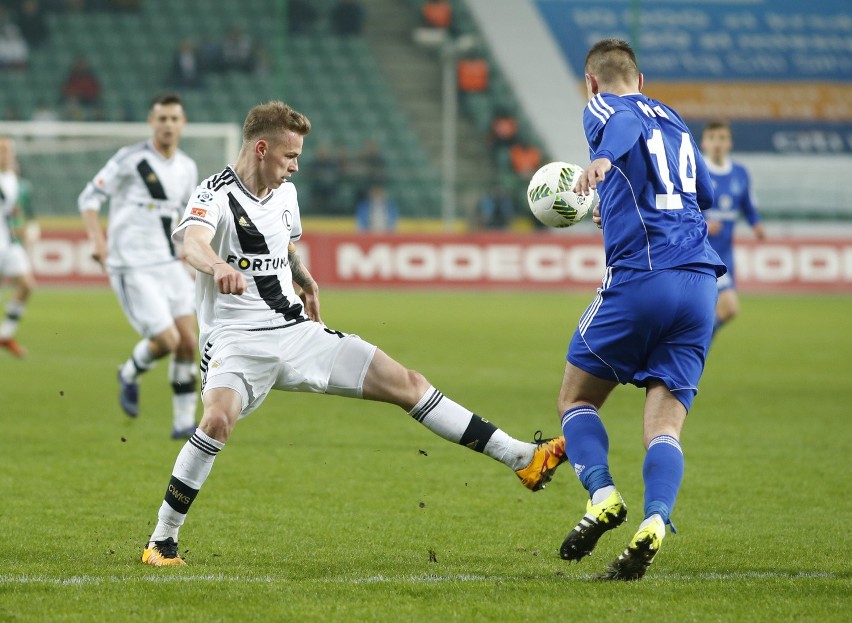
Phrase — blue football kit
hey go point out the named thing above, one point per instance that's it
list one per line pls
(653, 315)
(732, 189)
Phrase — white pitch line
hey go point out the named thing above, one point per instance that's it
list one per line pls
(381, 579)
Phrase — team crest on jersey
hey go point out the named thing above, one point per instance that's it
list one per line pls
(288, 219)
(204, 197)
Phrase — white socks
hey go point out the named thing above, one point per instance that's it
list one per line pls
(454, 423)
(192, 467)
(184, 398)
(14, 312)
(601, 494)
(651, 519)
(140, 361)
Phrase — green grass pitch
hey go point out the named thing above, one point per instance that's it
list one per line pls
(322, 508)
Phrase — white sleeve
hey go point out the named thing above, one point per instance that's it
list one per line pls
(296, 231)
(202, 209)
(103, 185)
(193, 181)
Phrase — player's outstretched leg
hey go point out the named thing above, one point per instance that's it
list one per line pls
(587, 447)
(388, 381)
(221, 408)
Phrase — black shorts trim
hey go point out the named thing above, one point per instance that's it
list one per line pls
(283, 326)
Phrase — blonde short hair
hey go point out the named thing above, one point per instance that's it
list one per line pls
(272, 119)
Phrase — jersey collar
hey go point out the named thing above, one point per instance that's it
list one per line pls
(246, 192)
(149, 144)
(719, 169)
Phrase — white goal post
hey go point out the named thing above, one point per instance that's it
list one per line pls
(60, 157)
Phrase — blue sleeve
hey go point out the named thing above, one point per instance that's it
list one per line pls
(592, 128)
(362, 216)
(748, 206)
(703, 183)
(620, 134)
(393, 215)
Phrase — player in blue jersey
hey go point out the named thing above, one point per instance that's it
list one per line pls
(652, 320)
(732, 188)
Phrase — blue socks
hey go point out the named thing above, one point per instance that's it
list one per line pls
(587, 447)
(662, 473)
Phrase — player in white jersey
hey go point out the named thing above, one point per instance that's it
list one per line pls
(239, 232)
(147, 185)
(14, 264)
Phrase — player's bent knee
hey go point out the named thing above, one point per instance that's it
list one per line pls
(167, 341)
(728, 306)
(417, 383)
(216, 424)
(186, 348)
(389, 381)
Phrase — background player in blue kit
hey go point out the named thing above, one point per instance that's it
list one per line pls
(652, 320)
(732, 189)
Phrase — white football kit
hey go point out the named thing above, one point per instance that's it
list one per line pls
(147, 193)
(262, 340)
(13, 257)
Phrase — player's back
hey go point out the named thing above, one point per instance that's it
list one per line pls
(651, 200)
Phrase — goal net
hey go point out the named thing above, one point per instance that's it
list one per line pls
(59, 158)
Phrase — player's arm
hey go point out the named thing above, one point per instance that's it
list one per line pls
(703, 183)
(302, 278)
(749, 209)
(714, 225)
(90, 202)
(202, 257)
(95, 233)
(620, 133)
(705, 195)
(16, 221)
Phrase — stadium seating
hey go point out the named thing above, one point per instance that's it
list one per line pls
(481, 107)
(334, 80)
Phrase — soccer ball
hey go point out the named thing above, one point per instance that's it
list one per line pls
(551, 199)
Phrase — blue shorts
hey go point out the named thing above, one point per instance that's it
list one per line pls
(646, 325)
(727, 281)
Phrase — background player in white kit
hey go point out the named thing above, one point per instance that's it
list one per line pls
(147, 185)
(238, 231)
(14, 264)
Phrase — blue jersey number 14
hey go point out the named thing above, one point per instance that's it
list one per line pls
(685, 167)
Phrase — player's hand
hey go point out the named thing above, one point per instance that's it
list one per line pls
(759, 231)
(596, 216)
(594, 173)
(311, 303)
(99, 252)
(714, 227)
(228, 280)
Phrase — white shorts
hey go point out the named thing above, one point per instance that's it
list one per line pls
(153, 297)
(304, 357)
(14, 261)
